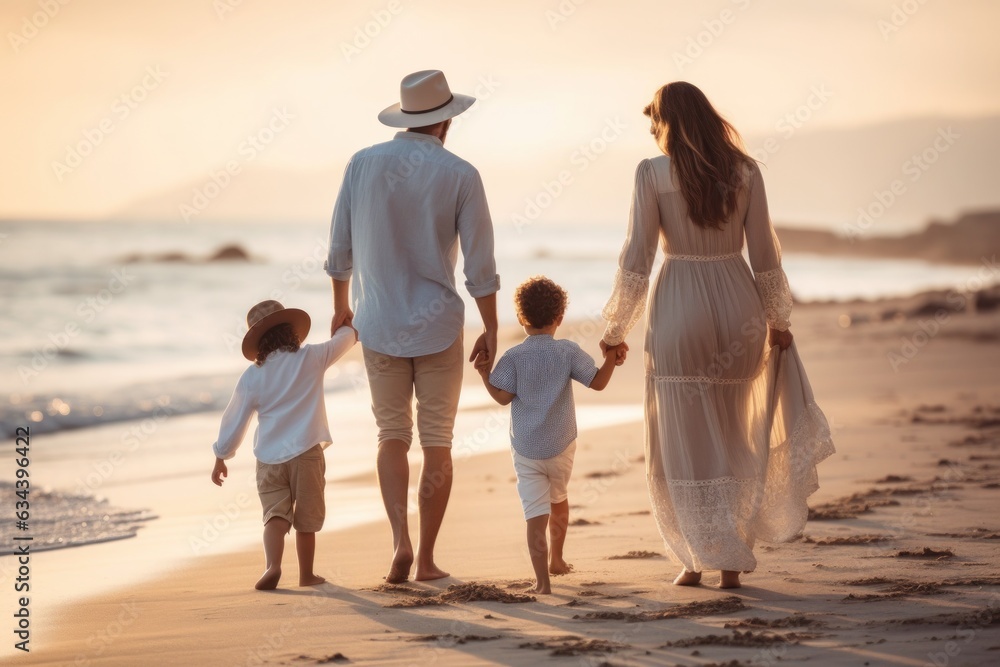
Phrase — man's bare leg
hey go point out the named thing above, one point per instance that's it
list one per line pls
(393, 480)
(434, 491)
(274, 547)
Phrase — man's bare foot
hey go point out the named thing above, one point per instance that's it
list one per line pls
(399, 570)
(730, 579)
(311, 580)
(560, 566)
(686, 578)
(429, 573)
(269, 580)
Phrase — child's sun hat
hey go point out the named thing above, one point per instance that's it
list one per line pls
(268, 314)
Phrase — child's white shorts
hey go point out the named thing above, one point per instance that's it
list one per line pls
(541, 482)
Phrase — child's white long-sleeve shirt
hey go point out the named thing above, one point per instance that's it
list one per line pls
(286, 392)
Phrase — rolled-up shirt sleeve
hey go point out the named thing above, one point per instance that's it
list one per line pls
(235, 420)
(475, 232)
(340, 259)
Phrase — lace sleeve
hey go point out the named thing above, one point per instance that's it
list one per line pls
(772, 286)
(626, 305)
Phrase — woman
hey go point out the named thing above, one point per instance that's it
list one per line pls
(732, 432)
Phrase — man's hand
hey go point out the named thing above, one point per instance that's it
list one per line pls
(341, 318)
(484, 352)
(219, 472)
(620, 350)
(342, 313)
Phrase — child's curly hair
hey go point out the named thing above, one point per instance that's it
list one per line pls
(539, 302)
(280, 337)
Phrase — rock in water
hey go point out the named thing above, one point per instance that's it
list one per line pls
(230, 253)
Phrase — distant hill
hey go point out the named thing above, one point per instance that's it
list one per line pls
(817, 179)
(941, 166)
(968, 240)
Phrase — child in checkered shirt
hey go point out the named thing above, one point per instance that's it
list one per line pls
(535, 378)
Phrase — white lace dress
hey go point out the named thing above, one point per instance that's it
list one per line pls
(733, 434)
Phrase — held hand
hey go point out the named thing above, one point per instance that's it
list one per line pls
(620, 351)
(482, 365)
(484, 351)
(622, 354)
(341, 318)
(780, 338)
(219, 472)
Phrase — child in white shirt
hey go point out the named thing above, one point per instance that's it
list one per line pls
(285, 388)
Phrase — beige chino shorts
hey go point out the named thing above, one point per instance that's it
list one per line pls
(436, 382)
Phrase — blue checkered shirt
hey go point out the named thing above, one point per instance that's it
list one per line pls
(538, 373)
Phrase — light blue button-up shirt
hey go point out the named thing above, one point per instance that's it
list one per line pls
(404, 208)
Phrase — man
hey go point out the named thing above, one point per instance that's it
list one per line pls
(404, 208)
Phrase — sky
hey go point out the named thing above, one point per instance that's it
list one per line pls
(107, 102)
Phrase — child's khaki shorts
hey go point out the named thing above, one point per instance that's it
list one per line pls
(295, 490)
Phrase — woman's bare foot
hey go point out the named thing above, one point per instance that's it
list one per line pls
(429, 573)
(730, 579)
(399, 570)
(540, 589)
(311, 580)
(269, 580)
(686, 578)
(559, 567)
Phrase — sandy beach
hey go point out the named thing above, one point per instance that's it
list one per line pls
(897, 565)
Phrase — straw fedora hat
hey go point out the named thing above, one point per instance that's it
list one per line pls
(268, 314)
(425, 99)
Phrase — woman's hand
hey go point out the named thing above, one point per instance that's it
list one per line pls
(781, 338)
(620, 350)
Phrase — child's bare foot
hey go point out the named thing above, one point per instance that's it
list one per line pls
(540, 589)
(730, 579)
(399, 570)
(269, 580)
(429, 572)
(559, 566)
(686, 578)
(311, 580)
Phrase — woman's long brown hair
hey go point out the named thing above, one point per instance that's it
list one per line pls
(705, 150)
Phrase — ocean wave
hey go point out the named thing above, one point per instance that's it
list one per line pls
(61, 520)
(62, 411)
(51, 412)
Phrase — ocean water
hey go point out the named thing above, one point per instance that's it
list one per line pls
(115, 321)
